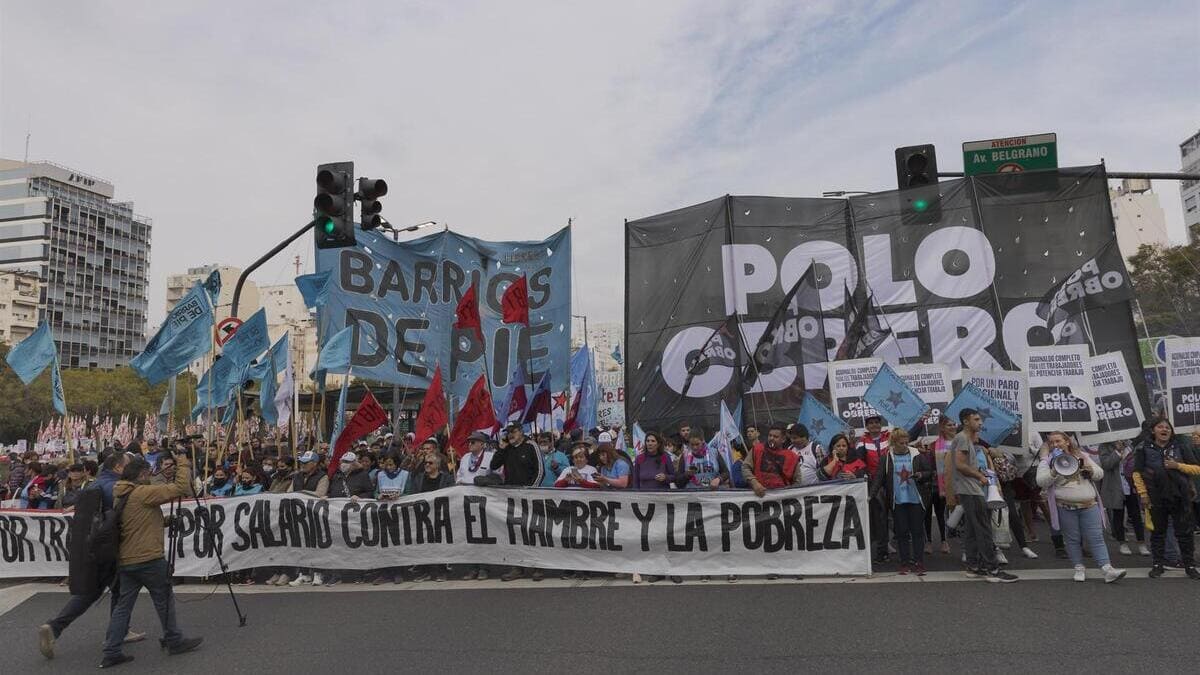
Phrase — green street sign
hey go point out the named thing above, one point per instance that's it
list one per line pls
(1005, 155)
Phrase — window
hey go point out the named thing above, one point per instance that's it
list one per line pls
(1189, 204)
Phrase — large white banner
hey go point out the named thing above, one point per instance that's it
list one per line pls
(1060, 388)
(1118, 413)
(848, 381)
(821, 530)
(1008, 388)
(1183, 382)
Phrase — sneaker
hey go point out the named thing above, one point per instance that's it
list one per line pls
(903, 570)
(282, 580)
(999, 576)
(46, 640)
(440, 576)
(1192, 572)
(331, 580)
(732, 578)
(1028, 553)
(653, 578)
(919, 570)
(772, 577)
(318, 580)
(538, 575)
(184, 646)
(1112, 574)
(1080, 573)
(637, 578)
(133, 636)
(398, 578)
(1001, 558)
(1156, 572)
(1142, 550)
(113, 661)
(379, 580)
(705, 578)
(271, 580)
(567, 574)
(583, 576)
(514, 573)
(483, 574)
(471, 575)
(421, 575)
(974, 573)
(1124, 549)
(676, 579)
(300, 581)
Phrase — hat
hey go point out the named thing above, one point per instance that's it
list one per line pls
(362, 443)
(512, 425)
(479, 436)
(348, 457)
(388, 435)
(586, 441)
(605, 437)
(308, 457)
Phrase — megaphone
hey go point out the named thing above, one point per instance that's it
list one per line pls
(995, 500)
(1065, 464)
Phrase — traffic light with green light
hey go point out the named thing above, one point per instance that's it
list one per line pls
(917, 178)
(333, 207)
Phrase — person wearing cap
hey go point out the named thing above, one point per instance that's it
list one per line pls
(523, 466)
(351, 479)
(477, 461)
(312, 481)
(555, 460)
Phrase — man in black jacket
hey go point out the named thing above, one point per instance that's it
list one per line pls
(352, 481)
(523, 466)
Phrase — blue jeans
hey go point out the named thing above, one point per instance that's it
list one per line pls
(155, 577)
(1076, 524)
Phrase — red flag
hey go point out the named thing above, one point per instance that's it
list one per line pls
(476, 414)
(369, 417)
(515, 302)
(572, 421)
(467, 313)
(432, 416)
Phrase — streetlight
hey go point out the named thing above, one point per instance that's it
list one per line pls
(411, 228)
(844, 193)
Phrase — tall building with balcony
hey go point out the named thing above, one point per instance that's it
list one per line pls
(20, 293)
(1189, 190)
(90, 253)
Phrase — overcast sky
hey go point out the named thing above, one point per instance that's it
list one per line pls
(504, 119)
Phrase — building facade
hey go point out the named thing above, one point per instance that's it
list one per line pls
(90, 253)
(20, 293)
(1138, 216)
(286, 312)
(1189, 190)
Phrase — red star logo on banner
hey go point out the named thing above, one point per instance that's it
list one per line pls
(560, 400)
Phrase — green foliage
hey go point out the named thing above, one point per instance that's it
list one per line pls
(88, 392)
(1167, 283)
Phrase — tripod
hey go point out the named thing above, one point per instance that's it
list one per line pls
(202, 520)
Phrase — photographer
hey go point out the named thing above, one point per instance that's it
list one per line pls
(141, 560)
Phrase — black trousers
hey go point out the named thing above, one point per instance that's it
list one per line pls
(1179, 512)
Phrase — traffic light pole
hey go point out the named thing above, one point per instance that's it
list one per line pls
(237, 290)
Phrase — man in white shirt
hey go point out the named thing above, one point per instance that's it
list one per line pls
(809, 453)
(477, 461)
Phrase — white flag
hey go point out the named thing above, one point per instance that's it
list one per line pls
(283, 397)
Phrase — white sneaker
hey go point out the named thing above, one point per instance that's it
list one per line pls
(1125, 550)
(283, 580)
(1028, 553)
(1000, 558)
(317, 580)
(271, 581)
(1080, 574)
(1142, 550)
(1112, 574)
(300, 580)
(637, 578)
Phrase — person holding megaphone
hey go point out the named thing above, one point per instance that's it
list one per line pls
(1069, 477)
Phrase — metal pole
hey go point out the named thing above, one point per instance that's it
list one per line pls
(237, 289)
(1148, 175)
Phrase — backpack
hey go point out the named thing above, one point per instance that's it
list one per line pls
(104, 543)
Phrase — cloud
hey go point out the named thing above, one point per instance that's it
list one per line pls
(506, 119)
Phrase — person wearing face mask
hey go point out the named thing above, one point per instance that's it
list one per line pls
(219, 485)
(555, 460)
(268, 472)
(1163, 467)
(281, 479)
(311, 481)
(249, 483)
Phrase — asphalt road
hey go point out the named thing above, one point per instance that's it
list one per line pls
(851, 626)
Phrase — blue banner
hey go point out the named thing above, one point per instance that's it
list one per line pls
(185, 336)
(400, 298)
(820, 421)
(998, 421)
(31, 356)
(891, 397)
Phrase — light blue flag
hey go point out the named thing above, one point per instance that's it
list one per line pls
(894, 399)
(998, 421)
(616, 355)
(165, 408)
(583, 380)
(185, 336)
(314, 288)
(339, 419)
(230, 409)
(730, 426)
(275, 356)
(639, 439)
(29, 358)
(820, 421)
(250, 340)
(213, 285)
(335, 353)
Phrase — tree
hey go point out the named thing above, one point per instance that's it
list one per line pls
(88, 392)
(1166, 280)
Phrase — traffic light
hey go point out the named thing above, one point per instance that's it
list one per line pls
(916, 176)
(369, 192)
(333, 207)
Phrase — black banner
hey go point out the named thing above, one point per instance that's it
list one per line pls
(957, 283)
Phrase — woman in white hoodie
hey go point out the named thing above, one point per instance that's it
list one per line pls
(1075, 503)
